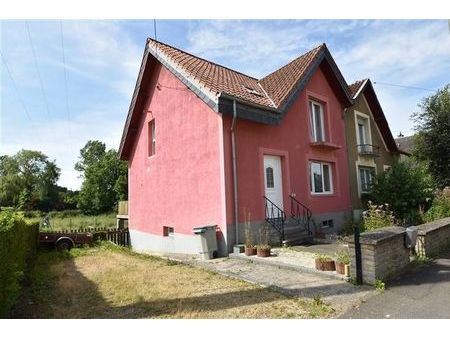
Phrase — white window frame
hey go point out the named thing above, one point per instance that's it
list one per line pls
(367, 129)
(372, 173)
(312, 116)
(311, 178)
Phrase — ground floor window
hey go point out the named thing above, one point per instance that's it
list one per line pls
(321, 178)
(366, 175)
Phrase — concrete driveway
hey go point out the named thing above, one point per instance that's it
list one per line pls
(423, 292)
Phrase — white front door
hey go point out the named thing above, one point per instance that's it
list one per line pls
(273, 182)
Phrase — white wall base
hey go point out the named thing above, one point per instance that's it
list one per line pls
(178, 243)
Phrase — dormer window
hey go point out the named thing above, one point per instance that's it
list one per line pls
(253, 91)
(317, 121)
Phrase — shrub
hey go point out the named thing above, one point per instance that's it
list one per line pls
(18, 240)
(376, 217)
(407, 187)
(343, 257)
(440, 208)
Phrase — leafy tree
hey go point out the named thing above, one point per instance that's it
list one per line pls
(406, 187)
(105, 178)
(28, 180)
(433, 137)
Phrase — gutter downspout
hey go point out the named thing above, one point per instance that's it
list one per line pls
(235, 183)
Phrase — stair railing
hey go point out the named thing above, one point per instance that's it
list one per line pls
(274, 216)
(301, 213)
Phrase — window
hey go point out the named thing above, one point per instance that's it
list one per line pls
(269, 177)
(328, 223)
(167, 231)
(321, 179)
(151, 138)
(366, 175)
(361, 132)
(316, 115)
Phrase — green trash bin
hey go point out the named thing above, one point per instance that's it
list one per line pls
(207, 241)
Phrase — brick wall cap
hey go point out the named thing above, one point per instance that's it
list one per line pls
(380, 235)
(425, 228)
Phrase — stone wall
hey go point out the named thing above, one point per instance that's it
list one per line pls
(433, 237)
(383, 254)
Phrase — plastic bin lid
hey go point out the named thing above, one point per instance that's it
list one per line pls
(202, 229)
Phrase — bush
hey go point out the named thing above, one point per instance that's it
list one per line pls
(440, 208)
(376, 217)
(18, 241)
(407, 187)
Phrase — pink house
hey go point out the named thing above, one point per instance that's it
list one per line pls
(207, 145)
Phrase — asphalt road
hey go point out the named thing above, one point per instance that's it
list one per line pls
(421, 293)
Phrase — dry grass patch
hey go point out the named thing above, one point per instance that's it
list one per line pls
(110, 282)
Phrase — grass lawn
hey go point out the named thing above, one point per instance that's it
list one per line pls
(113, 282)
(66, 221)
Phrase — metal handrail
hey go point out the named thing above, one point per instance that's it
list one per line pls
(301, 213)
(368, 149)
(275, 216)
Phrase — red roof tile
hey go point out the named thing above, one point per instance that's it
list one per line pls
(356, 86)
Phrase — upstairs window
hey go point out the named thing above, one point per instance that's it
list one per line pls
(321, 179)
(151, 138)
(317, 121)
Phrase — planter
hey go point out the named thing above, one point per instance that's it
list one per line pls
(347, 270)
(340, 268)
(325, 265)
(250, 251)
(263, 252)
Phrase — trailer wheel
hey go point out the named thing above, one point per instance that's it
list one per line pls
(64, 244)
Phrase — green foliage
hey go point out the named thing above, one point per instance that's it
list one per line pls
(433, 135)
(73, 219)
(18, 240)
(28, 181)
(348, 227)
(105, 178)
(323, 258)
(406, 187)
(343, 257)
(440, 208)
(377, 217)
(379, 285)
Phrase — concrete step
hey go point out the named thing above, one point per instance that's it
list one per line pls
(298, 239)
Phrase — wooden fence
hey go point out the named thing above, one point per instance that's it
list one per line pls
(117, 236)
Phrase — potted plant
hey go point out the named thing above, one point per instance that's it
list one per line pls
(342, 260)
(325, 263)
(250, 247)
(263, 249)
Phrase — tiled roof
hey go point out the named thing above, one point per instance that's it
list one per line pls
(405, 143)
(270, 91)
(218, 79)
(354, 87)
(279, 84)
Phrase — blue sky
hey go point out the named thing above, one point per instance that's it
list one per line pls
(102, 59)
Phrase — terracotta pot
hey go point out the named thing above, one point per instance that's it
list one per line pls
(325, 266)
(340, 268)
(250, 251)
(263, 252)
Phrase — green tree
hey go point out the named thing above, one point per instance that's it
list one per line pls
(406, 187)
(105, 178)
(28, 180)
(432, 144)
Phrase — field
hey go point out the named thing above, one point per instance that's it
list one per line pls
(73, 219)
(112, 282)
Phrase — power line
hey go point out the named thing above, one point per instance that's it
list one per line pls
(24, 107)
(396, 85)
(37, 69)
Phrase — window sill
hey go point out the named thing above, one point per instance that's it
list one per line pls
(323, 194)
(325, 145)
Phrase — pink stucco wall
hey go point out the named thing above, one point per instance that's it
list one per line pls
(290, 140)
(182, 185)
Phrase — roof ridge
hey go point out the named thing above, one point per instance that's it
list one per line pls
(298, 57)
(198, 57)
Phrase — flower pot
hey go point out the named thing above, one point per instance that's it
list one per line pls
(325, 265)
(340, 268)
(347, 270)
(250, 251)
(263, 252)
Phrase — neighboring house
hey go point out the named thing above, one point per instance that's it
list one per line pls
(371, 146)
(405, 145)
(209, 145)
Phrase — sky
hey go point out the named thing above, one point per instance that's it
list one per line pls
(66, 82)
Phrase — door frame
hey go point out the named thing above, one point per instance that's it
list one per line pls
(285, 175)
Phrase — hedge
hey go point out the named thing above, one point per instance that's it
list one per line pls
(18, 242)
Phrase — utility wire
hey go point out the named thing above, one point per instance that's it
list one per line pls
(37, 68)
(24, 107)
(396, 85)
